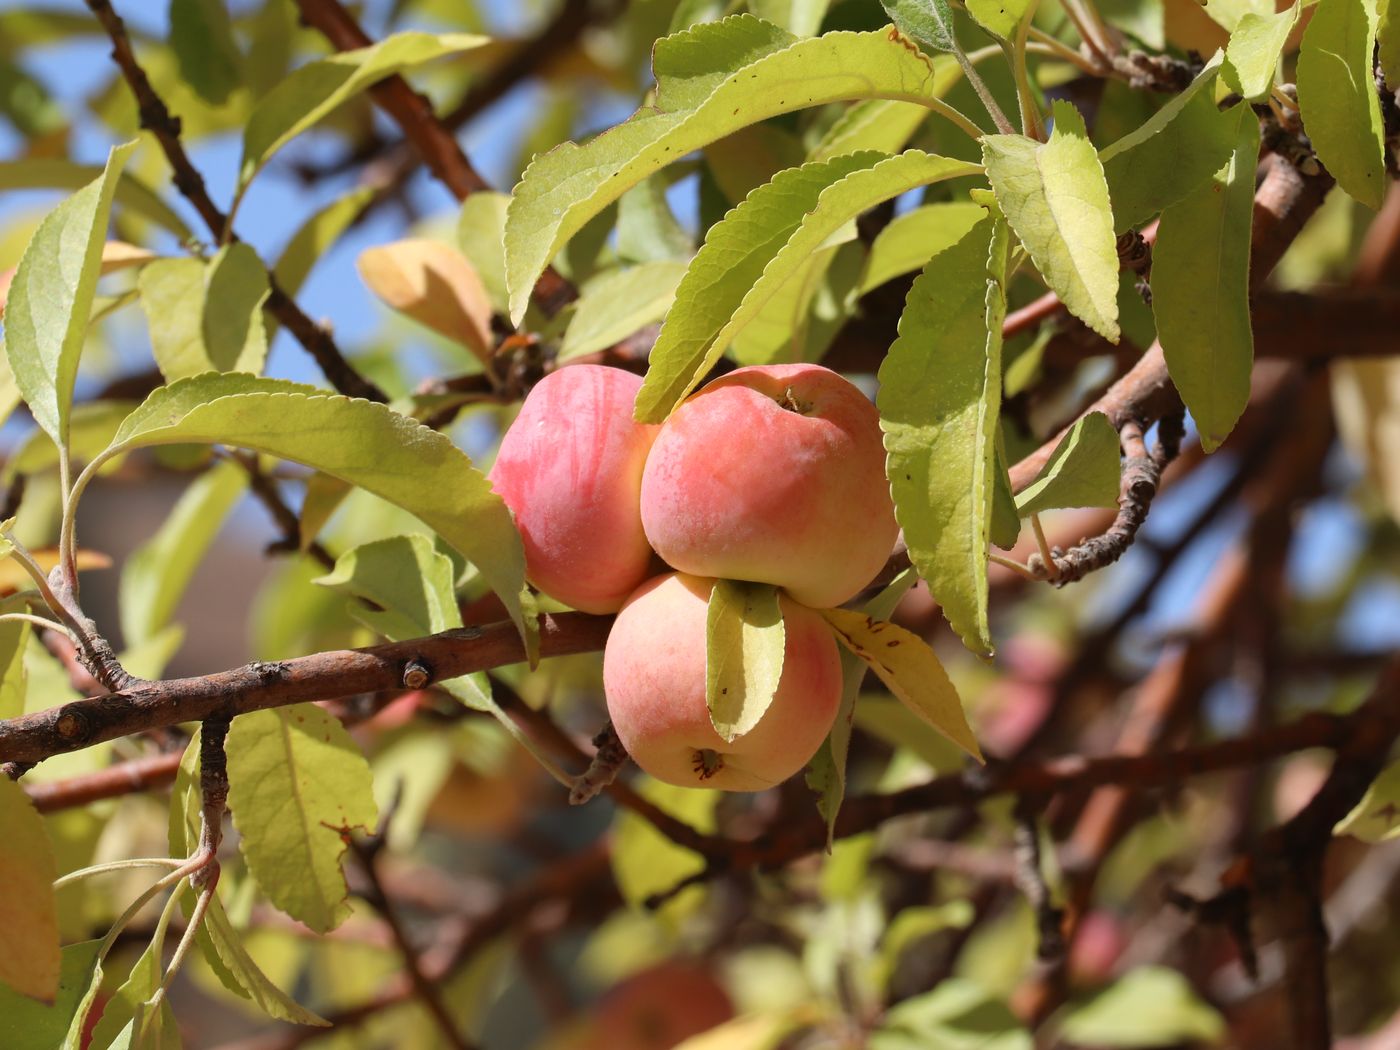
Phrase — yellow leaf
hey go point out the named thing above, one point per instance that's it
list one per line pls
(436, 286)
(14, 578)
(29, 952)
(909, 669)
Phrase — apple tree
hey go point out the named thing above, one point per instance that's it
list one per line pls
(892, 543)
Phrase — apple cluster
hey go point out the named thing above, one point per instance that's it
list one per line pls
(771, 474)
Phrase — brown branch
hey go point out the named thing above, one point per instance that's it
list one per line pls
(1142, 473)
(265, 490)
(123, 778)
(258, 686)
(432, 139)
(608, 759)
(156, 118)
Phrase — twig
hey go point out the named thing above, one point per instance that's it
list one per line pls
(608, 760)
(1142, 472)
(1030, 880)
(156, 118)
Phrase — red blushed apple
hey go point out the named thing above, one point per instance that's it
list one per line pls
(774, 474)
(570, 468)
(661, 1007)
(654, 680)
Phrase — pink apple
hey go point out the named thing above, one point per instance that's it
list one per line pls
(570, 468)
(654, 680)
(775, 474)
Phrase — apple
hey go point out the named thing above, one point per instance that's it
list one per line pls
(570, 469)
(776, 474)
(654, 682)
(661, 1007)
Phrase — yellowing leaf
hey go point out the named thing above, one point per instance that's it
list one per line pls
(1081, 472)
(29, 1025)
(297, 785)
(436, 286)
(617, 304)
(1056, 198)
(29, 951)
(13, 577)
(1337, 97)
(744, 646)
(1252, 56)
(910, 670)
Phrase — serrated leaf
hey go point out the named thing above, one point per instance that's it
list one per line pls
(1175, 151)
(826, 772)
(234, 333)
(1200, 290)
(927, 21)
(435, 285)
(1006, 520)
(297, 784)
(909, 669)
(1252, 56)
(1055, 197)
(201, 35)
(760, 245)
(1083, 470)
(744, 645)
(46, 317)
(912, 239)
(29, 1025)
(882, 124)
(939, 401)
(481, 233)
(1150, 1006)
(57, 173)
(360, 442)
(1376, 818)
(1338, 100)
(155, 576)
(617, 304)
(712, 80)
(29, 951)
(412, 583)
(317, 88)
(247, 978)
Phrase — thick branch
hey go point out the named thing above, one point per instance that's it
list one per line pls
(257, 686)
(158, 120)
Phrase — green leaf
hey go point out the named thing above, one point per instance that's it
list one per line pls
(46, 318)
(234, 334)
(910, 670)
(939, 401)
(915, 923)
(1056, 199)
(1256, 45)
(152, 1028)
(826, 772)
(957, 1015)
(1175, 151)
(712, 80)
(14, 636)
(317, 88)
(1006, 519)
(1376, 817)
(359, 442)
(57, 173)
(645, 862)
(90, 429)
(201, 34)
(297, 784)
(155, 576)
(1337, 96)
(927, 21)
(1082, 471)
(125, 1004)
(1001, 18)
(1388, 41)
(172, 298)
(912, 239)
(619, 303)
(29, 1025)
(744, 645)
(29, 953)
(799, 17)
(760, 245)
(9, 389)
(481, 234)
(1150, 1006)
(1200, 290)
(243, 975)
(882, 124)
(647, 229)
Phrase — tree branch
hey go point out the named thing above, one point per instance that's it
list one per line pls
(156, 118)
